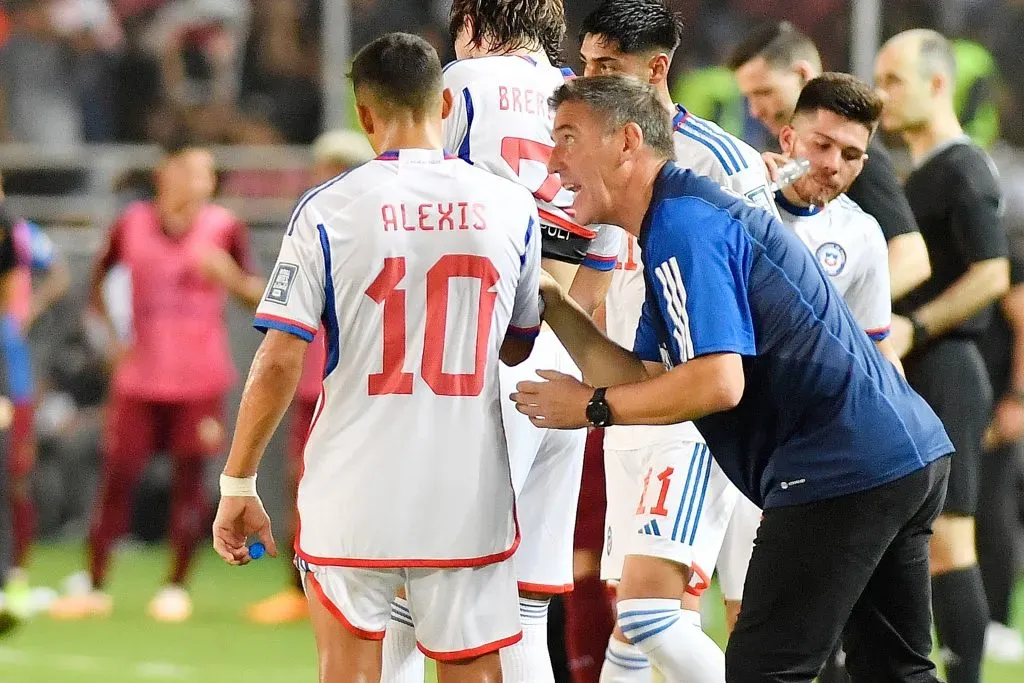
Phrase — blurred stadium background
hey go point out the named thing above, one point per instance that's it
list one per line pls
(91, 87)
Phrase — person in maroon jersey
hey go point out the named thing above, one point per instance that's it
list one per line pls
(185, 255)
(334, 153)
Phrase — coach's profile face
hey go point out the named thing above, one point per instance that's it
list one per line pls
(906, 95)
(836, 148)
(588, 158)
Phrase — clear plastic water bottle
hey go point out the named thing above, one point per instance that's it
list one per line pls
(790, 173)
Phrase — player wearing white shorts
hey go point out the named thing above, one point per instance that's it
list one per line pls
(500, 122)
(424, 272)
(667, 498)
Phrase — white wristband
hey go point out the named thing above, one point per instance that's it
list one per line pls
(237, 486)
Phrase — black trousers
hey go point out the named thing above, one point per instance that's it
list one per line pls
(859, 561)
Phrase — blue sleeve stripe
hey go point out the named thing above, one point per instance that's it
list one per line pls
(724, 138)
(567, 73)
(330, 313)
(264, 324)
(602, 263)
(523, 332)
(879, 334)
(464, 147)
(526, 242)
(690, 133)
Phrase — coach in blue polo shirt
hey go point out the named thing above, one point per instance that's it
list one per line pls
(798, 407)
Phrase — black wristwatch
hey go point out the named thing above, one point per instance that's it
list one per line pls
(921, 334)
(599, 413)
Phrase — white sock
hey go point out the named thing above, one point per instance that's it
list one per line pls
(528, 661)
(625, 663)
(402, 660)
(673, 640)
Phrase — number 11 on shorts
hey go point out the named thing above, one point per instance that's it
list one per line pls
(659, 508)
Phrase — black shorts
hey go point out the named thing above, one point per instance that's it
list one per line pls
(950, 375)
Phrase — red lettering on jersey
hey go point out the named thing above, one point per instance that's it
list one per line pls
(517, 99)
(446, 216)
(530, 100)
(462, 216)
(405, 221)
(390, 218)
(502, 98)
(630, 263)
(481, 220)
(424, 210)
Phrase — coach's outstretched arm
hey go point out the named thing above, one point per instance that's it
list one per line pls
(269, 389)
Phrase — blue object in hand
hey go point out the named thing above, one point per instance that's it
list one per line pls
(256, 550)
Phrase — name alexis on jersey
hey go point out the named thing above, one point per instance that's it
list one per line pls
(431, 217)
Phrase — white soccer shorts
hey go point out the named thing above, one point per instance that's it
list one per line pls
(457, 613)
(547, 466)
(737, 548)
(669, 500)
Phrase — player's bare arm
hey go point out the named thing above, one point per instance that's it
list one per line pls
(272, 380)
(589, 288)
(220, 266)
(700, 387)
(909, 265)
(982, 284)
(97, 305)
(886, 348)
(1008, 418)
(602, 361)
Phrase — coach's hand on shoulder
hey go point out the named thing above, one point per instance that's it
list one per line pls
(558, 403)
(239, 517)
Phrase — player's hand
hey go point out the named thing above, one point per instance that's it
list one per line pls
(1007, 423)
(559, 403)
(239, 517)
(901, 334)
(773, 161)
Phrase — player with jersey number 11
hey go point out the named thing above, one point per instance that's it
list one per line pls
(424, 272)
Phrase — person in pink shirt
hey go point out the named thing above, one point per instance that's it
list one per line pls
(334, 153)
(185, 257)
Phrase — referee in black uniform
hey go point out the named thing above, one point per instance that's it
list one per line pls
(772, 65)
(955, 196)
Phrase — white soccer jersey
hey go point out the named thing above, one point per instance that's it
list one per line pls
(850, 248)
(708, 150)
(417, 265)
(500, 121)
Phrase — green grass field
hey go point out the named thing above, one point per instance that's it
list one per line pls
(216, 645)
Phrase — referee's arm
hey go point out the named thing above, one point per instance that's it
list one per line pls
(878, 192)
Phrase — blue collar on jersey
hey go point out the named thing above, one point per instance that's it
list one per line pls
(679, 117)
(790, 207)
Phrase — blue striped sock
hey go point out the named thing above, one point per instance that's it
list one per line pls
(643, 618)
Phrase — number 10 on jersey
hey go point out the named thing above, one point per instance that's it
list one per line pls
(385, 290)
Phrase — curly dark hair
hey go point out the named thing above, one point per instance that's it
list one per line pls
(512, 24)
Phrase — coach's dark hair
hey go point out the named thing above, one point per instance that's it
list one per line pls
(779, 43)
(843, 95)
(618, 100)
(511, 25)
(635, 26)
(400, 68)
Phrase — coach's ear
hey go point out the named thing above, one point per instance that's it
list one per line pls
(632, 138)
(446, 103)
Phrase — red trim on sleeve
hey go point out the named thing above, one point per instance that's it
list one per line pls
(286, 321)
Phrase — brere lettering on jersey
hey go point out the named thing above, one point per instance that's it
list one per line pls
(431, 217)
(522, 100)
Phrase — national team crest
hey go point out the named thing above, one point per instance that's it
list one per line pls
(832, 258)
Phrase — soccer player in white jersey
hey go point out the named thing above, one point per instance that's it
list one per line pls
(500, 122)
(834, 119)
(424, 272)
(669, 504)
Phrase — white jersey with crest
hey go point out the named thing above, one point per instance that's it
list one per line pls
(850, 248)
(500, 121)
(707, 149)
(417, 265)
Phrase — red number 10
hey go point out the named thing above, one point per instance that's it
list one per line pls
(384, 290)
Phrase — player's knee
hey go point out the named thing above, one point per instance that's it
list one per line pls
(534, 595)
(952, 544)
(652, 577)
(483, 669)
(585, 564)
(732, 614)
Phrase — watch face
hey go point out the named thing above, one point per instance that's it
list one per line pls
(598, 413)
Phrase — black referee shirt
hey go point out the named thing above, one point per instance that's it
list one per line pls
(955, 197)
(877, 190)
(996, 344)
